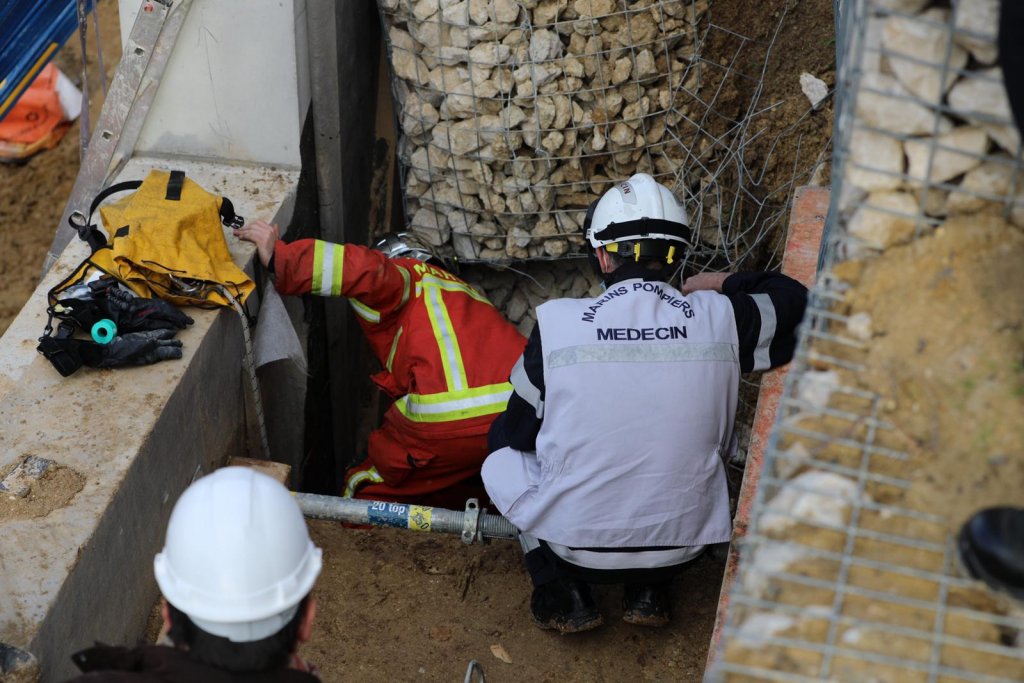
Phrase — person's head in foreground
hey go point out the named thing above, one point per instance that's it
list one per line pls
(236, 572)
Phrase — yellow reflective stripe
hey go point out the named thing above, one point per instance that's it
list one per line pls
(371, 476)
(364, 311)
(447, 343)
(454, 286)
(405, 284)
(394, 347)
(455, 405)
(328, 263)
(29, 77)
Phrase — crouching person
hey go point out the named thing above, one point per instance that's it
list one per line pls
(236, 573)
(608, 457)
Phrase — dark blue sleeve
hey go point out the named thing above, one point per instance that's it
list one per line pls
(768, 308)
(519, 424)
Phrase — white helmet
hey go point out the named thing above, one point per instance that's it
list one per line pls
(637, 210)
(238, 559)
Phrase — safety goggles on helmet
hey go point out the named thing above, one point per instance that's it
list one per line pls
(639, 218)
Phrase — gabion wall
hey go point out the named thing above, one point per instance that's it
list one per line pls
(885, 440)
(927, 132)
(516, 114)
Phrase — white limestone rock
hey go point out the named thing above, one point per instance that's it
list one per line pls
(885, 219)
(917, 48)
(859, 326)
(424, 9)
(982, 100)
(545, 45)
(813, 88)
(982, 187)
(646, 67)
(876, 161)
(981, 96)
(938, 159)
(813, 497)
(883, 103)
(466, 248)
(470, 98)
(815, 388)
(489, 54)
(431, 225)
(502, 11)
(977, 22)
(418, 117)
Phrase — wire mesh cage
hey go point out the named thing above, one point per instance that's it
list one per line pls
(515, 115)
(900, 416)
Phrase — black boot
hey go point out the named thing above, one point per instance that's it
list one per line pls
(991, 545)
(645, 604)
(564, 605)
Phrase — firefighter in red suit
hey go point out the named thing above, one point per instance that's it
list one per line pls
(446, 355)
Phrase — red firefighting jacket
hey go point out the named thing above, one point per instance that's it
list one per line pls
(446, 351)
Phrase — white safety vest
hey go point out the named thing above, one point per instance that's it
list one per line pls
(641, 391)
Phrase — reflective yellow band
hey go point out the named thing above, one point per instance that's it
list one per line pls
(328, 262)
(394, 347)
(447, 342)
(455, 405)
(450, 286)
(405, 284)
(357, 480)
(364, 311)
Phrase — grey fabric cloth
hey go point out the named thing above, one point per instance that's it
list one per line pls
(275, 338)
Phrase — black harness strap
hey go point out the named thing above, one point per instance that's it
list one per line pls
(174, 184)
(87, 230)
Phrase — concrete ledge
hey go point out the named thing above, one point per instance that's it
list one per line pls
(133, 438)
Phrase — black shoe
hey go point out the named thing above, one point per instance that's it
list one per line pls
(645, 604)
(991, 545)
(566, 606)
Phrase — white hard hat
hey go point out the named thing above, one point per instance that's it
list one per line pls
(238, 559)
(638, 209)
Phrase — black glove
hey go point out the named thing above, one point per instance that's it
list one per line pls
(133, 314)
(134, 348)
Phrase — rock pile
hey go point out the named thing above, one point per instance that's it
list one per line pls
(933, 135)
(518, 292)
(516, 114)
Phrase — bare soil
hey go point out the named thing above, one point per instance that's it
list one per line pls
(394, 605)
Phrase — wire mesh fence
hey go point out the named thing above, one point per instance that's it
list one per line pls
(900, 415)
(516, 114)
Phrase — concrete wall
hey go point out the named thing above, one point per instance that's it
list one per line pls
(236, 86)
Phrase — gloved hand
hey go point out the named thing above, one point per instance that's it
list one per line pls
(134, 348)
(132, 313)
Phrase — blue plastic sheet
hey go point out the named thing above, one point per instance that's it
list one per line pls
(31, 33)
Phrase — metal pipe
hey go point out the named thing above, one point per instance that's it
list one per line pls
(473, 524)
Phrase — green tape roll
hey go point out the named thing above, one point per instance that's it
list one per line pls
(103, 331)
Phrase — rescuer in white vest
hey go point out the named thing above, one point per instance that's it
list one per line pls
(609, 456)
